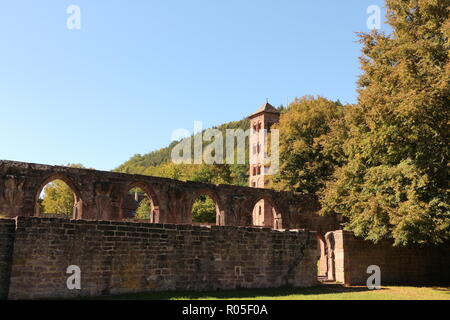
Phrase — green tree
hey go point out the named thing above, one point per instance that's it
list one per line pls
(207, 173)
(144, 210)
(394, 184)
(204, 210)
(306, 159)
(58, 198)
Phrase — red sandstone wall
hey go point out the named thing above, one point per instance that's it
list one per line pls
(7, 227)
(102, 195)
(399, 265)
(123, 257)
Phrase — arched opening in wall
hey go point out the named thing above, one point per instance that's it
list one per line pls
(57, 199)
(266, 214)
(205, 211)
(322, 262)
(139, 203)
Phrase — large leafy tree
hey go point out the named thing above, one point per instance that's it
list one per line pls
(395, 183)
(307, 158)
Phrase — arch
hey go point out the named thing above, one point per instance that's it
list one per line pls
(265, 213)
(155, 214)
(220, 218)
(78, 201)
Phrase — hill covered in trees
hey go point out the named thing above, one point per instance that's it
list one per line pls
(158, 163)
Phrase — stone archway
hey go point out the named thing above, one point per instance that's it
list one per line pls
(99, 193)
(265, 213)
(78, 201)
(149, 191)
(220, 216)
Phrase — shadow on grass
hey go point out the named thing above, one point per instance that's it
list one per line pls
(442, 289)
(238, 293)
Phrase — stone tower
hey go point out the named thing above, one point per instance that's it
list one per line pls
(264, 213)
(260, 123)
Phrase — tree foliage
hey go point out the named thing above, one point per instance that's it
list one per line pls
(144, 210)
(306, 159)
(394, 183)
(204, 210)
(158, 163)
(58, 197)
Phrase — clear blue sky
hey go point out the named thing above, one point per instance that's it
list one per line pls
(138, 70)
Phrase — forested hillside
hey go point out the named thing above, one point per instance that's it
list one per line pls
(158, 163)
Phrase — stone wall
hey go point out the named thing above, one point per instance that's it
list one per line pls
(125, 257)
(102, 195)
(7, 228)
(399, 265)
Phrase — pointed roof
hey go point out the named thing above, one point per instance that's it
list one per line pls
(267, 107)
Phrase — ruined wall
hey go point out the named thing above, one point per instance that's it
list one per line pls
(7, 228)
(399, 265)
(124, 257)
(102, 195)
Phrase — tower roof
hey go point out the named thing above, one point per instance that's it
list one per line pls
(266, 107)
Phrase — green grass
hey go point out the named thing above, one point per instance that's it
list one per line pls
(323, 292)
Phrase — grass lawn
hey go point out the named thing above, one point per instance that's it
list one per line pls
(323, 292)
